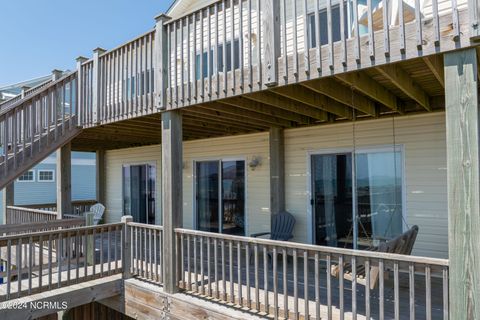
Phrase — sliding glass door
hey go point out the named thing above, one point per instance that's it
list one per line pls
(220, 196)
(375, 183)
(139, 183)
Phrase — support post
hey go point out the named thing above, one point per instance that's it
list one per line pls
(271, 32)
(277, 171)
(8, 200)
(64, 180)
(172, 195)
(474, 16)
(463, 138)
(127, 248)
(161, 61)
(96, 87)
(80, 88)
(100, 176)
(24, 90)
(89, 221)
(56, 74)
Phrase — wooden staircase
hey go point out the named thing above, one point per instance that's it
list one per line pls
(34, 127)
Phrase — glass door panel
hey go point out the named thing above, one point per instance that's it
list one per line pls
(233, 197)
(207, 195)
(139, 192)
(332, 199)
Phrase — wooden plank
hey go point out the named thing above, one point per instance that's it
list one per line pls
(463, 163)
(435, 64)
(271, 34)
(172, 203)
(8, 199)
(277, 171)
(96, 93)
(100, 180)
(402, 80)
(161, 62)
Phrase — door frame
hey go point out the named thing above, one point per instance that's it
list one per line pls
(142, 163)
(358, 150)
(194, 188)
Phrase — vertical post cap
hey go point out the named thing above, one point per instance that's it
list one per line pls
(81, 59)
(162, 17)
(99, 50)
(126, 219)
(56, 74)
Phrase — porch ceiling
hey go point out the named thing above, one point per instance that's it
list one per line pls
(408, 87)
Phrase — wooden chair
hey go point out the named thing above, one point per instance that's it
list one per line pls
(282, 227)
(403, 244)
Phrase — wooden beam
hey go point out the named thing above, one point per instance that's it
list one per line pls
(241, 102)
(221, 117)
(342, 94)
(435, 64)
(463, 162)
(253, 116)
(277, 171)
(313, 99)
(161, 60)
(172, 201)
(272, 99)
(8, 199)
(369, 87)
(100, 176)
(271, 35)
(402, 80)
(64, 180)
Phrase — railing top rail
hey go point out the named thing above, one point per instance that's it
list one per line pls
(145, 226)
(322, 249)
(27, 93)
(106, 53)
(55, 233)
(49, 224)
(33, 210)
(45, 88)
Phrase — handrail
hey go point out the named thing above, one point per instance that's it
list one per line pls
(324, 249)
(25, 94)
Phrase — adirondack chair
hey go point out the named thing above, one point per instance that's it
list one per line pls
(282, 227)
(97, 210)
(403, 244)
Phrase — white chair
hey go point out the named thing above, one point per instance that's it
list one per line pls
(97, 210)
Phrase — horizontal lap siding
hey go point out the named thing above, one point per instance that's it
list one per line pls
(423, 138)
(114, 160)
(241, 147)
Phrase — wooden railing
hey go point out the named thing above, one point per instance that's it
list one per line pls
(120, 84)
(47, 225)
(287, 41)
(284, 279)
(20, 215)
(33, 263)
(32, 128)
(78, 206)
(25, 94)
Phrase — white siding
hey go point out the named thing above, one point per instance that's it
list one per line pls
(423, 138)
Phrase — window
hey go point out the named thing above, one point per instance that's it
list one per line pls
(46, 176)
(378, 215)
(220, 196)
(336, 34)
(28, 176)
(139, 192)
(219, 65)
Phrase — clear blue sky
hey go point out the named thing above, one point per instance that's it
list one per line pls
(37, 36)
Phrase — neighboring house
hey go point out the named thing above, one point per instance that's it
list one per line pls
(38, 184)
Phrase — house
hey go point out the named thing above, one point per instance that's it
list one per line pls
(37, 185)
(359, 119)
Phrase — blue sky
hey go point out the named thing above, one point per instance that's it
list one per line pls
(38, 36)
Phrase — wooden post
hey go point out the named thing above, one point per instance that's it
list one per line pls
(89, 220)
(96, 94)
(172, 194)
(56, 74)
(127, 248)
(271, 34)
(100, 176)
(474, 16)
(277, 171)
(8, 200)
(463, 138)
(80, 85)
(24, 90)
(161, 61)
(64, 180)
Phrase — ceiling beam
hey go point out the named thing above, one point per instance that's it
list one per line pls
(241, 102)
(272, 99)
(435, 64)
(403, 81)
(254, 116)
(342, 94)
(363, 83)
(222, 117)
(313, 99)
